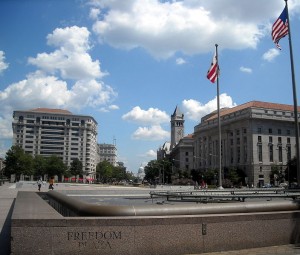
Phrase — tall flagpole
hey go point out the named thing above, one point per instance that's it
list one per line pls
(294, 96)
(219, 122)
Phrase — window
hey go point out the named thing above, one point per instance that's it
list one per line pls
(279, 140)
(270, 131)
(288, 132)
(288, 140)
(271, 153)
(260, 153)
(270, 139)
(279, 131)
(259, 139)
(259, 130)
(280, 153)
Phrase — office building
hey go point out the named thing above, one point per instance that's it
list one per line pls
(47, 132)
(108, 152)
(254, 137)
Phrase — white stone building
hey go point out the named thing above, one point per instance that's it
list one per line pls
(47, 132)
(254, 137)
(108, 152)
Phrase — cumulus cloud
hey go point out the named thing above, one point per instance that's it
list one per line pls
(195, 110)
(180, 61)
(71, 60)
(152, 116)
(151, 153)
(94, 13)
(3, 64)
(152, 133)
(187, 26)
(45, 88)
(245, 69)
(271, 54)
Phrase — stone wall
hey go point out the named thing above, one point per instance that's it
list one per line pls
(38, 229)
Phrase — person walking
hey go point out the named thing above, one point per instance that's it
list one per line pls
(39, 183)
(51, 183)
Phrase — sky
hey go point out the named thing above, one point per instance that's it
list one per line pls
(129, 63)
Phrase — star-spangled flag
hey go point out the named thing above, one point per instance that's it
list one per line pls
(280, 28)
(213, 71)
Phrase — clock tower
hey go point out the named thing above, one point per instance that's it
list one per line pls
(177, 127)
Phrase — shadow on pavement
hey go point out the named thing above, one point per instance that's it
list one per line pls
(6, 232)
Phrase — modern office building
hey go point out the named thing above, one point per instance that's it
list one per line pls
(254, 137)
(47, 132)
(108, 152)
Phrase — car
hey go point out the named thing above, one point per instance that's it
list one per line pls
(267, 185)
(283, 185)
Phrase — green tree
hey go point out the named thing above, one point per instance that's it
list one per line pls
(76, 167)
(156, 169)
(118, 173)
(39, 165)
(104, 171)
(55, 166)
(18, 162)
(291, 170)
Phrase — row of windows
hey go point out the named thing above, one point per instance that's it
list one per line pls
(279, 139)
(271, 131)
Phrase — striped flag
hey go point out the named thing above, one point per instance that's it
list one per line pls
(213, 71)
(280, 28)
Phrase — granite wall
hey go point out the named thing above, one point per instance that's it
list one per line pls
(39, 229)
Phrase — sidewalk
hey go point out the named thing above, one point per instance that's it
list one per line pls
(8, 193)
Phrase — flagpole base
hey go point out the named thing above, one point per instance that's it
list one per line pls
(220, 187)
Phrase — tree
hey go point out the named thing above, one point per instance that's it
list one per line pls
(158, 169)
(39, 165)
(76, 167)
(291, 170)
(55, 166)
(118, 173)
(104, 171)
(18, 162)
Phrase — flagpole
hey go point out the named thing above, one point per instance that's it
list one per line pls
(294, 96)
(219, 122)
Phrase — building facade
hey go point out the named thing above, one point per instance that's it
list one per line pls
(254, 137)
(47, 132)
(108, 152)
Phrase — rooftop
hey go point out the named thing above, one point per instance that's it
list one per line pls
(252, 104)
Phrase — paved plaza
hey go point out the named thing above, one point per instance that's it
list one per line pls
(99, 194)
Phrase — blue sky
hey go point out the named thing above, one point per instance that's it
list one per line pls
(129, 63)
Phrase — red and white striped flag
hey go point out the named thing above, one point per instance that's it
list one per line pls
(213, 71)
(280, 28)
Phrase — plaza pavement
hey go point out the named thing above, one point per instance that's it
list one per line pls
(8, 193)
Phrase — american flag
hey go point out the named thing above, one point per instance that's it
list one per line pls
(213, 71)
(280, 28)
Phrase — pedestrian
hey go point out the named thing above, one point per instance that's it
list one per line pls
(39, 183)
(51, 183)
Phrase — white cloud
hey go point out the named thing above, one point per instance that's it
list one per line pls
(151, 153)
(94, 13)
(271, 54)
(180, 61)
(71, 60)
(152, 133)
(245, 69)
(187, 26)
(113, 107)
(195, 110)
(151, 116)
(3, 64)
(43, 89)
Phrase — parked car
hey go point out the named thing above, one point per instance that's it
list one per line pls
(283, 185)
(267, 185)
